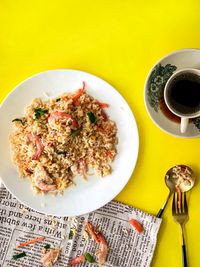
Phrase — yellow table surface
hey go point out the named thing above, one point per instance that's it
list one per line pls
(119, 41)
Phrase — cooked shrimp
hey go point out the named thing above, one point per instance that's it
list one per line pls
(102, 104)
(62, 115)
(103, 249)
(68, 100)
(92, 232)
(79, 92)
(32, 241)
(82, 169)
(43, 186)
(103, 246)
(77, 260)
(104, 116)
(136, 225)
(38, 143)
(59, 115)
(42, 180)
(50, 257)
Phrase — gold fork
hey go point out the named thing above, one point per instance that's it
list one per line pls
(180, 214)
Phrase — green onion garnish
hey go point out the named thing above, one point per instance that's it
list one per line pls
(61, 153)
(75, 133)
(22, 122)
(47, 246)
(39, 112)
(18, 256)
(91, 117)
(71, 234)
(89, 257)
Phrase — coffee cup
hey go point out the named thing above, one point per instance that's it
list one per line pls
(182, 95)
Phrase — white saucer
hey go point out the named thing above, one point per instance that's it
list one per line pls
(154, 87)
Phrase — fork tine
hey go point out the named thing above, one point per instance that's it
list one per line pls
(179, 201)
(174, 204)
(185, 203)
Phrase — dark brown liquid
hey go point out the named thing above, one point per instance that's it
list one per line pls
(171, 116)
(184, 94)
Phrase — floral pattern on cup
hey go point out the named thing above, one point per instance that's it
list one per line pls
(157, 81)
(196, 122)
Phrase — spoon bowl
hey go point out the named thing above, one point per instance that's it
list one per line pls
(178, 177)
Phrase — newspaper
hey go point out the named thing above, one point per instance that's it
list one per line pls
(126, 247)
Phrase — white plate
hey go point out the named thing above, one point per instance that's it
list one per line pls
(85, 196)
(180, 59)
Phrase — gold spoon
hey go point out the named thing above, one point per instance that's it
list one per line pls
(179, 176)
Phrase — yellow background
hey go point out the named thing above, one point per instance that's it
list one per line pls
(118, 40)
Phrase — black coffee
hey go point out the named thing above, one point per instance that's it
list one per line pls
(184, 93)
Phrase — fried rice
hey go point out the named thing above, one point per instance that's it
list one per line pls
(61, 138)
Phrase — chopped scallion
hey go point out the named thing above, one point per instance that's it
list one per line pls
(20, 120)
(47, 246)
(18, 256)
(75, 133)
(71, 234)
(89, 257)
(91, 117)
(61, 152)
(39, 112)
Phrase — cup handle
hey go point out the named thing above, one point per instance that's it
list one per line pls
(184, 124)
